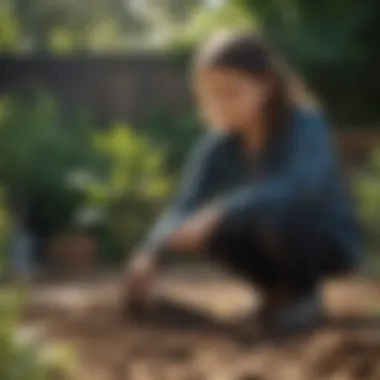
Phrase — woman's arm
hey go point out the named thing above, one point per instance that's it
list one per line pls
(197, 185)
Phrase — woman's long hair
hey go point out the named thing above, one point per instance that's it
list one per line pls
(246, 52)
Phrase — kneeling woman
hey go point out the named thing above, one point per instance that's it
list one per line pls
(261, 193)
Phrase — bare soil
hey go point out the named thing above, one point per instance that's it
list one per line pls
(192, 332)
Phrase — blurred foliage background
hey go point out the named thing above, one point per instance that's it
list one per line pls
(62, 170)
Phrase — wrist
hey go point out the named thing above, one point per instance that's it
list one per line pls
(156, 254)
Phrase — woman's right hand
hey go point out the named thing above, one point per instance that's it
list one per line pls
(140, 274)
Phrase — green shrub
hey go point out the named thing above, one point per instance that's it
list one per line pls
(37, 152)
(25, 359)
(367, 188)
(132, 184)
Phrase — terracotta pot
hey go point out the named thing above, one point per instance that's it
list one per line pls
(72, 253)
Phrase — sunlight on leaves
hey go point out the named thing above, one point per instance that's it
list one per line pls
(134, 182)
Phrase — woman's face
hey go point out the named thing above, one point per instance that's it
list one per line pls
(230, 99)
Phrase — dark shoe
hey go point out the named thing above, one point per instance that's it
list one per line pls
(296, 314)
(273, 300)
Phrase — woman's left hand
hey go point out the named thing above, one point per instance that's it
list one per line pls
(196, 230)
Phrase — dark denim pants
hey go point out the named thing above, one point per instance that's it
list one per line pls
(294, 253)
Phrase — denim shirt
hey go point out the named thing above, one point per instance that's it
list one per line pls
(297, 168)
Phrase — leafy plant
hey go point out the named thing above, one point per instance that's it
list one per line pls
(37, 152)
(132, 183)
